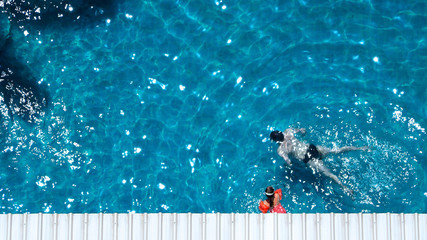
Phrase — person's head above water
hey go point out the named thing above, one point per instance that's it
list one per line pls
(269, 191)
(277, 136)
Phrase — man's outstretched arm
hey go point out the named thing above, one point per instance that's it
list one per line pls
(296, 130)
(301, 130)
(285, 157)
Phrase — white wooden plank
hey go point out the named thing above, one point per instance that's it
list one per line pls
(17, 230)
(402, 226)
(422, 226)
(77, 227)
(123, 227)
(318, 230)
(196, 226)
(232, 226)
(225, 226)
(3, 226)
(303, 226)
(353, 230)
(339, 226)
(70, 221)
(211, 231)
(332, 226)
(32, 226)
(368, 230)
(100, 226)
(8, 224)
(115, 226)
(240, 226)
(276, 226)
(375, 226)
(85, 226)
(218, 225)
(130, 225)
(55, 226)
(297, 227)
(93, 227)
(417, 226)
(395, 227)
(152, 224)
(268, 226)
(388, 216)
(290, 232)
(39, 226)
(182, 226)
(325, 226)
(145, 226)
(382, 226)
(410, 226)
(203, 226)
(159, 226)
(107, 226)
(254, 221)
(311, 226)
(62, 227)
(138, 226)
(175, 226)
(167, 226)
(283, 227)
(47, 227)
(346, 219)
(247, 235)
(25, 227)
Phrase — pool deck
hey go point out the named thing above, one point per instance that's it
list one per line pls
(130, 226)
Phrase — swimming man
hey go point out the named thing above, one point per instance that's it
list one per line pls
(308, 153)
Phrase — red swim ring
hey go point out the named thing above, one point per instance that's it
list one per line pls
(263, 207)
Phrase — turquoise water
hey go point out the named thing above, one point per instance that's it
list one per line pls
(166, 106)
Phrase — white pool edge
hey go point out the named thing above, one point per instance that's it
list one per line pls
(203, 226)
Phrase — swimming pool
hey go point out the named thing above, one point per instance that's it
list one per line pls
(166, 106)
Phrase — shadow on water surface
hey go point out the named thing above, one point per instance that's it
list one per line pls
(66, 13)
(21, 93)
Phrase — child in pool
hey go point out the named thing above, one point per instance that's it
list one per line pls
(272, 203)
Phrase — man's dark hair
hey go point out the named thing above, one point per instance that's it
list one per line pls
(277, 136)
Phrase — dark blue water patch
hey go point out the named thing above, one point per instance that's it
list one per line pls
(23, 95)
(4, 29)
(70, 13)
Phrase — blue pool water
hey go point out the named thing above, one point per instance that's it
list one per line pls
(166, 106)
